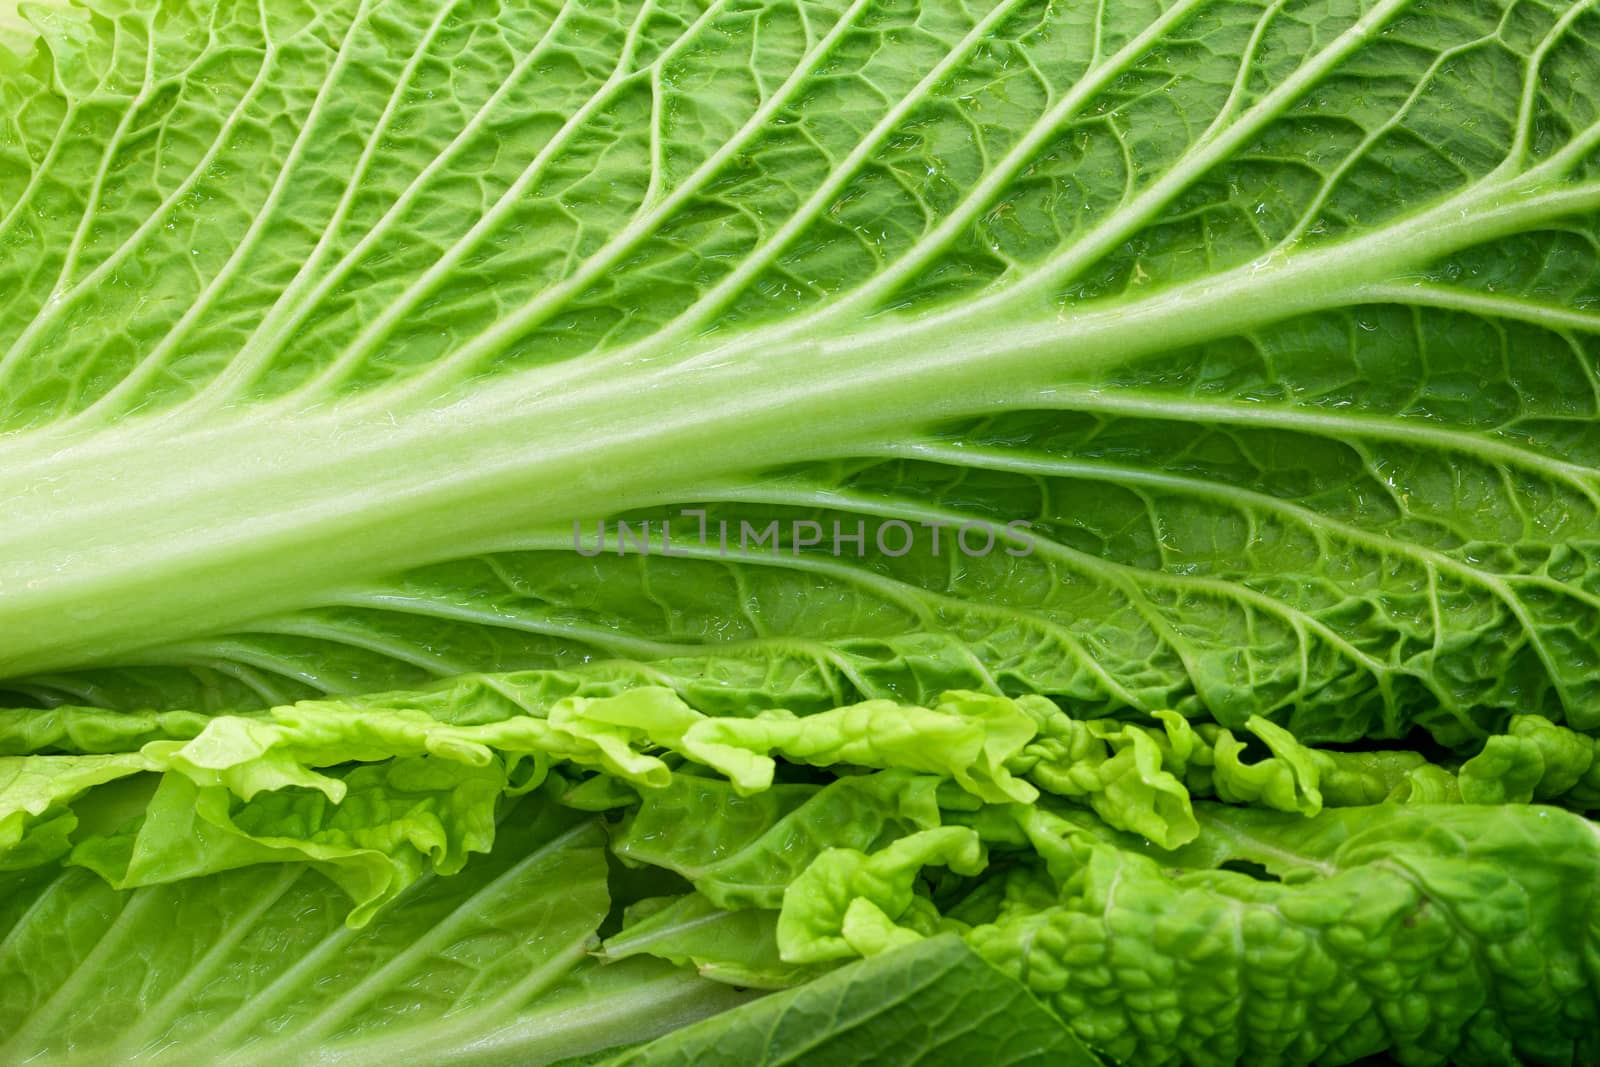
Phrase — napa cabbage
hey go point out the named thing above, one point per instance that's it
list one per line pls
(1057, 529)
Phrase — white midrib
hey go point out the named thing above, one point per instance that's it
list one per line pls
(127, 539)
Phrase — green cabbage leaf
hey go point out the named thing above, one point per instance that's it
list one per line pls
(584, 529)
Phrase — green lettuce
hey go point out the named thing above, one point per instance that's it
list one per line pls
(1256, 929)
(524, 527)
(936, 994)
(258, 966)
(322, 325)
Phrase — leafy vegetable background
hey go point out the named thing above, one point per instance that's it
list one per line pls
(320, 326)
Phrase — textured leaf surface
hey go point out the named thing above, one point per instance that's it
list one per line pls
(1277, 320)
(257, 966)
(935, 1002)
(1255, 345)
(1457, 934)
(1312, 933)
